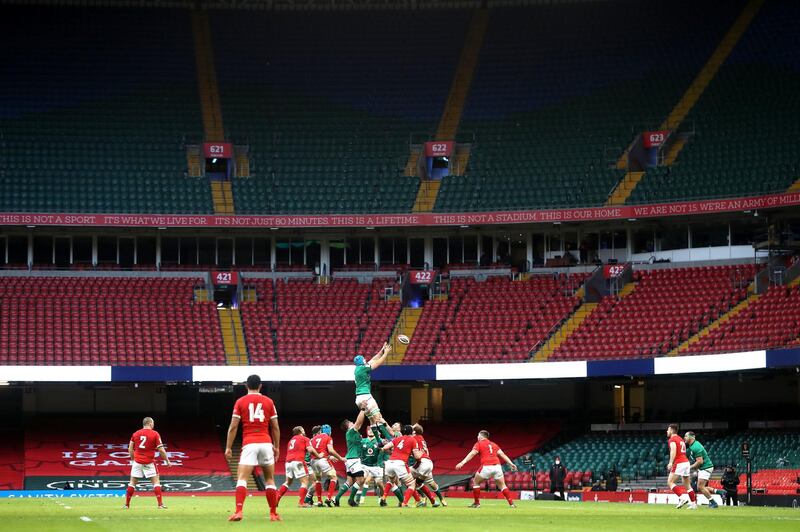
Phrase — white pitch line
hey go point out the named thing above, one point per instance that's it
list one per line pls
(68, 507)
(86, 519)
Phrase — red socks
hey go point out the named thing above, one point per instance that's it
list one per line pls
(428, 493)
(408, 494)
(128, 494)
(303, 492)
(692, 496)
(241, 495)
(678, 490)
(272, 499)
(331, 489)
(157, 491)
(318, 490)
(282, 490)
(507, 495)
(476, 494)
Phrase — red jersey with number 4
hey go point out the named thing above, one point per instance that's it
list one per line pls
(680, 449)
(296, 450)
(487, 451)
(422, 445)
(320, 444)
(403, 445)
(145, 444)
(255, 411)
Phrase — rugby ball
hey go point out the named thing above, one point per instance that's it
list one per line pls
(403, 339)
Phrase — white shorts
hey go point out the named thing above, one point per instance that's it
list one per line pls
(143, 470)
(491, 471)
(423, 469)
(372, 404)
(257, 454)
(296, 469)
(353, 466)
(373, 471)
(682, 470)
(320, 466)
(704, 474)
(396, 468)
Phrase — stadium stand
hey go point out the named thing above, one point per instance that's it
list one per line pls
(12, 459)
(664, 308)
(561, 90)
(328, 119)
(744, 120)
(96, 105)
(117, 321)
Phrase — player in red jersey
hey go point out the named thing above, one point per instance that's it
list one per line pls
(423, 469)
(261, 439)
(396, 467)
(679, 469)
(323, 444)
(490, 455)
(142, 447)
(296, 467)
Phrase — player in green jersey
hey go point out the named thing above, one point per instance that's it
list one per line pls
(363, 381)
(352, 460)
(372, 458)
(702, 464)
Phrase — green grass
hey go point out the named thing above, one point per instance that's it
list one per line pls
(199, 514)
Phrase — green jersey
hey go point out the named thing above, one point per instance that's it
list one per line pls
(370, 450)
(353, 439)
(382, 457)
(363, 379)
(698, 451)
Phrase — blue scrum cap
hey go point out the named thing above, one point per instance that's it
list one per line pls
(326, 429)
(359, 361)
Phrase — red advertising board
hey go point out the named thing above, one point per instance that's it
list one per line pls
(421, 276)
(220, 150)
(654, 139)
(637, 497)
(578, 214)
(443, 148)
(613, 270)
(222, 278)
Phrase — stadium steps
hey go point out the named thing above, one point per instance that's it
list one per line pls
(461, 161)
(406, 324)
(249, 295)
(242, 164)
(207, 86)
(674, 150)
(564, 332)
(624, 188)
(194, 163)
(685, 346)
(201, 295)
(795, 186)
(230, 322)
(426, 195)
(222, 196)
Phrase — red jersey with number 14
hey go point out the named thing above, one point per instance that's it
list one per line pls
(487, 451)
(680, 449)
(145, 444)
(255, 411)
(403, 445)
(296, 450)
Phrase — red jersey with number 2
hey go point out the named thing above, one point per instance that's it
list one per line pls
(255, 411)
(680, 449)
(487, 451)
(403, 445)
(145, 444)
(296, 450)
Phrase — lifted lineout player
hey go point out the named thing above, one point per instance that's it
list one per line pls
(296, 467)
(364, 399)
(678, 468)
(490, 455)
(144, 443)
(259, 420)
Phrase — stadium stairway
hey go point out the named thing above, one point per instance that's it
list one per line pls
(629, 182)
(406, 324)
(222, 196)
(230, 323)
(454, 107)
(564, 332)
(716, 324)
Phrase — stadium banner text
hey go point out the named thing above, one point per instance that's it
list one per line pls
(622, 212)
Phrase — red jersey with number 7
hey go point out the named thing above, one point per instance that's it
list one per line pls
(403, 445)
(680, 449)
(487, 451)
(296, 449)
(320, 443)
(145, 444)
(255, 411)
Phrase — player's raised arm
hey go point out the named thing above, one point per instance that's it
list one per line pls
(233, 428)
(380, 357)
(388, 447)
(275, 431)
(506, 459)
(332, 452)
(466, 459)
(359, 420)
